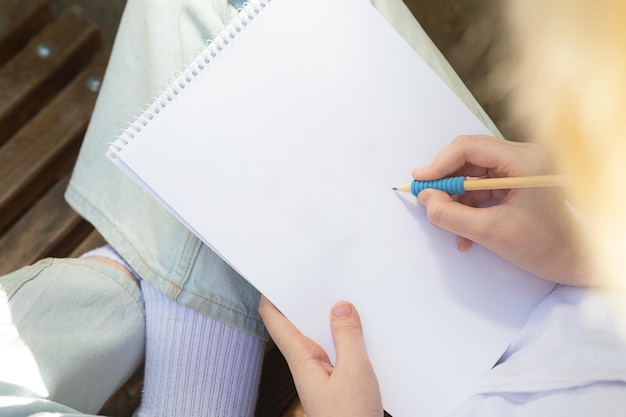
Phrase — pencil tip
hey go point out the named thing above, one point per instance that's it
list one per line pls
(395, 188)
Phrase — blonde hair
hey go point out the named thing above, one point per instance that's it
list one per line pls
(570, 94)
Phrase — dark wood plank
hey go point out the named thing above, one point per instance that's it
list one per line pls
(31, 78)
(20, 20)
(47, 145)
(49, 228)
(92, 241)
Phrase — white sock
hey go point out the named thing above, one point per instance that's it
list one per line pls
(196, 366)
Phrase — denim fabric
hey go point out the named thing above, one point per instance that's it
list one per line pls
(71, 332)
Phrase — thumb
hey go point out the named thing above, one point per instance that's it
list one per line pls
(444, 212)
(345, 325)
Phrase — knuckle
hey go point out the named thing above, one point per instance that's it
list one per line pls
(462, 140)
(348, 327)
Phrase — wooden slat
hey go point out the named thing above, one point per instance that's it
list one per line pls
(20, 20)
(47, 145)
(29, 80)
(92, 241)
(49, 228)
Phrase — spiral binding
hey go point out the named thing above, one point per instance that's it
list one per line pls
(184, 77)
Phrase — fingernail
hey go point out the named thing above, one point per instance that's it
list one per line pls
(342, 310)
(417, 172)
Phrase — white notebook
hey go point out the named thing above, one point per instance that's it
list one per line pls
(279, 147)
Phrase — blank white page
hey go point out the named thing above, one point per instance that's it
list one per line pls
(281, 155)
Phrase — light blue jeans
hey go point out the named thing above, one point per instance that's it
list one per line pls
(73, 330)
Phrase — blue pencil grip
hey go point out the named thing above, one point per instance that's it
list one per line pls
(450, 185)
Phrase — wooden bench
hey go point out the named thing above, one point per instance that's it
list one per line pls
(50, 73)
(47, 90)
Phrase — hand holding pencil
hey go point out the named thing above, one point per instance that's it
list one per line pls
(535, 230)
(461, 184)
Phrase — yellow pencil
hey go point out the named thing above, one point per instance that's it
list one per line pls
(460, 185)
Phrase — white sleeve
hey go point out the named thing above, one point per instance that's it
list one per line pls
(599, 399)
(569, 359)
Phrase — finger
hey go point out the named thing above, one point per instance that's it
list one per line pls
(444, 212)
(291, 342)
(463, 244)
(476, 198)
(345, 325)
(279, 328)
(480, 151)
